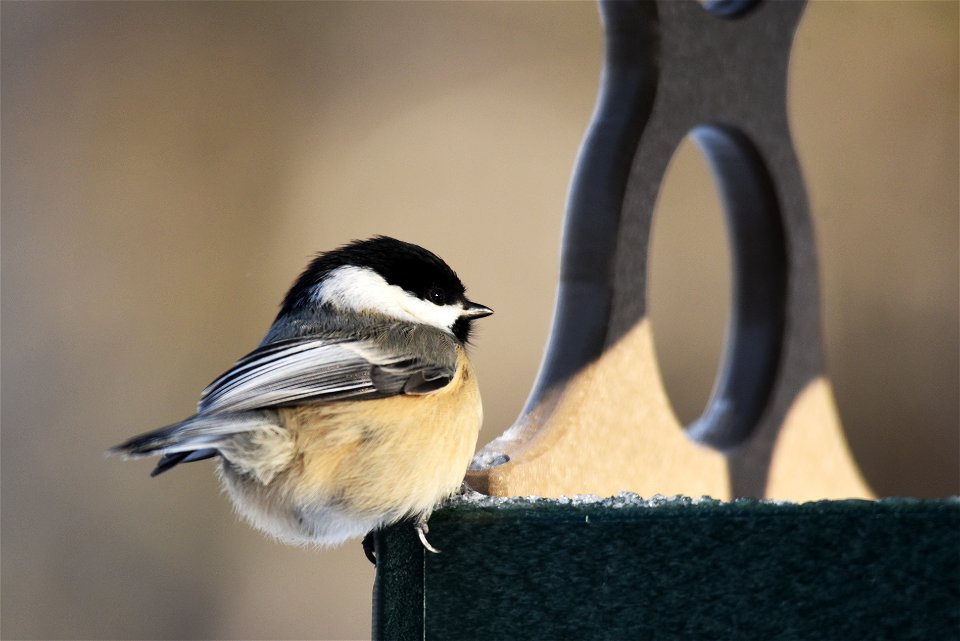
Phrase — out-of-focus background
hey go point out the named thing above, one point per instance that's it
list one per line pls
(168, 168)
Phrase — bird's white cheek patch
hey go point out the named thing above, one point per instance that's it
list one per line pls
(363, 290)
(442, 316)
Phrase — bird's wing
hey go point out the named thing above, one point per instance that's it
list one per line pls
(303, 370)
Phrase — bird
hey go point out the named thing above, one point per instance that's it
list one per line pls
(359, 408)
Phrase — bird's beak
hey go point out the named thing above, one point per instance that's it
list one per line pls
(475, 310)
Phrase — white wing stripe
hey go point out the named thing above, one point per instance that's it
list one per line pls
(284, 374)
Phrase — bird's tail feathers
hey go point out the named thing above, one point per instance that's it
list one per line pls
(197, 433)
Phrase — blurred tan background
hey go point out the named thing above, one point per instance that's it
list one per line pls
(167, 169)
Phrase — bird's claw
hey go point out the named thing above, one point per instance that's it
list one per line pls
(422, 529)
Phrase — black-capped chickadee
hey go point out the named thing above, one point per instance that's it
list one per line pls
(358, 409)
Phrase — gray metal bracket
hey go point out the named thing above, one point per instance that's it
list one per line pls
(717, 73)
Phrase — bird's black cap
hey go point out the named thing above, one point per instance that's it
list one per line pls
(409, 266)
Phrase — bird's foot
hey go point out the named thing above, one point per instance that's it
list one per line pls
(468, 492)
(422, 529)
(368, 547)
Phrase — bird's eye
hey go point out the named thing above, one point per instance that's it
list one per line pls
(436, 296)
